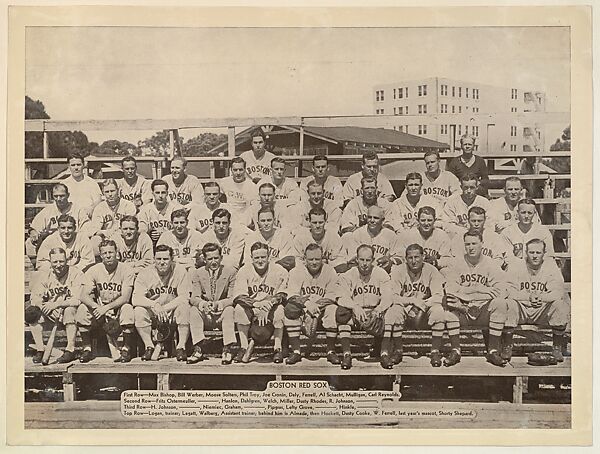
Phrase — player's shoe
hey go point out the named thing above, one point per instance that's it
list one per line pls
(452, 359)
(37, 358)
(147, 356)
(494, 358)
(347, 361)
(397, 356)
(86, 356)
(558, 354)
(294, 358)
(333, 358)
(436, 359)
(181, 354)
(196, 356)
(278, 356)
(506, 353)
(226, 356)
(66, 357)
(385, 361)
(240, 355)
(125, 356)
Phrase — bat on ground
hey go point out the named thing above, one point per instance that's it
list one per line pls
(50, 343)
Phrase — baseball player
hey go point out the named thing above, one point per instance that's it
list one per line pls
(133, 187)
(454, 217)
(106, 295)
(536, 296)
(313, 284)
(439, 184)
(133, 247)
(355, 212)
(201, 213)
(258, 160)
(435, 242)
(370, 169)
(186, 243)
(359, 290)
(285, 188)
(212, 302)
(260, 284)
(239, 188)
(55, 290)
(77, 246)
(279, 240)
(266, 198)
(183, 188)
(526, 229)
(332, 186)
(161, 293)
(416, 287)
(84, 190)
(155, 217)
(403, 211)
(477, 291)
(384, 242)
(231, 239)
(503, 211)
(316, 199)
(468, 163)
(332, 247)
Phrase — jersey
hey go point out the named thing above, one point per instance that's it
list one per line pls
(139, 254)
(403, 286)
(547, 281)
(154, 221)
(164, 289)
(232, 247)
(257, 168)
(79, 251)
(455, 214)
(184, 250)
(48, 288)
(321, 285)
(85, 193)
(493, 246)
(249, 282)
(442, 187)
(332, 189)
(106, 219)
(288, 189)
(190, 190)
(281, 211)
(280, 244)
(518, 239)
(353, 186)
(140, 190)
(476, 165)
(353, 290)
(486, 272)
(334, 252)
(239, 195)
(301, 209)
(502, 215)
(402, 215)
(436, 248)
(47, 219)
(108, 286)
(384, 243)
(200, 217)
(355, 213)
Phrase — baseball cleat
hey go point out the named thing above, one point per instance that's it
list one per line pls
(506, 353)
(495, 359)
(294, 358)
(67, 357)
(125, 356)
(452, 359)
(278, 357)
(397, 356)
(37, 358)
(86, 356)
(558, 354)
(181, 354)
(147, 356)
(347, 361)
(385, 361)
(240, 355)
(333, 358)
(436, 359)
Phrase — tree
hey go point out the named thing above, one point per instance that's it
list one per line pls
(564, 142)
(203, 143)
(116, 147)
(561, 164)
(157, 145)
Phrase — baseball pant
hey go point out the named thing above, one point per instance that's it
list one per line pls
(481, 313)
(200, 320)
(554, 313)
(425, 320)
(241, 318)
(124, 314)
(327, 314)
(143, 316)
(69, 316)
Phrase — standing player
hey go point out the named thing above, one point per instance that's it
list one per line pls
(370, 169)
(403, 211)
(84, 190)
(477, 292)
(332, 186)
(212, 302)
(435, 242)
(258, 160)
(239, 188)
(355, 212)
(440, 184)
(161, 293)
(183, 188)
(468, 163)
(455, 217)
(155, 217)
(231, 239)
(133, 187)
(279, 240)
(133, 247)
(56, 290)
(261, 284)
(286, 189)
(316, 199)
(526, 229)
(503, 210)
(314, 283)
(106, 295)
(201, 213)
(186, 243)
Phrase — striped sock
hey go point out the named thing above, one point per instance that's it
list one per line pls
(344, 335)
(330, 336)
(294, 338)
(437, 336)
(454, 334)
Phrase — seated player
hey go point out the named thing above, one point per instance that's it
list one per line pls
(231, 239)
(370, 169)
(212, 302)
(258, 159)
(285, 188)
(455, 215)
(133, 247)
(133, 187)
(332, 186)
(161, 295)
(258, 293)
(106, 296)
(201, 212)
(402, 213)
(266, 199)
(503, 211)
(279, 240)
(183, 188)
(76, 245)
(359, 293)
(239, 189)
(536, 296)
(435, 242)
(56, 295)
(185, 243)
(355, 212)
(526, 229)
(384, 242)
(440, 184)
(106, 215)
(312, 283)
(416, 287)
(316, 199)
(155, 217)
(477, 295)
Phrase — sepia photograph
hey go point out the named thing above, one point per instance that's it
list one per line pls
(307, 226)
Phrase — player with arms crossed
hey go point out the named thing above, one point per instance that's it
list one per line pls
(133, 247)
(370, 169)
(439, 184)
(183, 188)
(155, 217)
(258, 159)
(133, 187)
(332, 186)
(185, 243)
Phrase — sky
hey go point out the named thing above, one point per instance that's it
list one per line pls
(84, 73)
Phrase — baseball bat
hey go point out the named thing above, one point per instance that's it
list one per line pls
(50, 343)
(157, 351)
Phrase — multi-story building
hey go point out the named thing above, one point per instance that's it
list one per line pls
(442, 109)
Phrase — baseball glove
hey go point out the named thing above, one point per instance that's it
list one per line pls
(343, 315)
(32, 314)
(294, 308)
(541, 359)
(161, 332)
(374, 325)
(262, 334)
(112, 327)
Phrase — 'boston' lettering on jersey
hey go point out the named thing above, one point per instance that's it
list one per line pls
(475, 278)
(367, 288)
(111, 286)
(161, 290)
(160, 224)
(181, 197)
(258, 168)
(417, 287)
(255, 289)
(128, 255)
(312, 290)
(436, 191)
(534, 286)
(56, 291)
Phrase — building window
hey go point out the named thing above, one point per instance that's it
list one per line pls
(444, 108)
(513, 131)
(406, 129)
(422, 90)
(406, 92)
(394, 93)
(399, 93)
(459, 92)
(513, 109)
(466, 92)
(475, 109)
(466, 129)
(444, 90)
(379, 95)
(406, 110)
(422, 108)
(460, 130)
(476, 131)
(443, 129)
(422, 129)
(476, 93)
(453, 109)
(395, 110)
(513, 148)
(514, 94)
(453, 92)
(459, 109)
